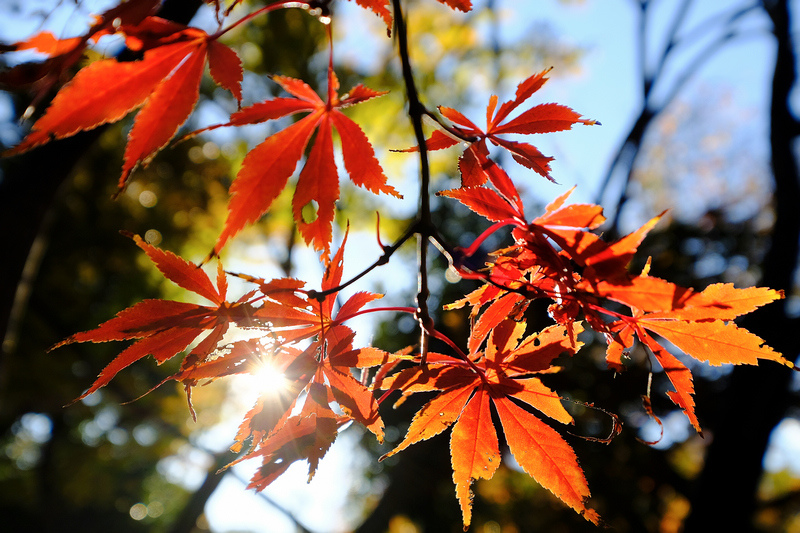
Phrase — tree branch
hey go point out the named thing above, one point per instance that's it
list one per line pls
(424, 222)
(628, 151)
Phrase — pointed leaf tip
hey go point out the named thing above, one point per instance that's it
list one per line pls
(183, 273)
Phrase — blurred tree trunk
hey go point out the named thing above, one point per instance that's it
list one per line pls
(756, 398)
(28, 187)
(187, 520)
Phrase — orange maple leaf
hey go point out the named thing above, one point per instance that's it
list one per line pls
(503, 377)
(380, 8)
(556, 256)
(461, 5)
(320, 378)
(296, 316)
(701, 326)
(487, 203)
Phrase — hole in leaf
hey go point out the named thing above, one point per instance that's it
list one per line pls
(309, 212)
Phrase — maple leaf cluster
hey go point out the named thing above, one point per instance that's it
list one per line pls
(302, 333)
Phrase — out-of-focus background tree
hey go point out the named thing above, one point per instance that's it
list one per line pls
(718, 151)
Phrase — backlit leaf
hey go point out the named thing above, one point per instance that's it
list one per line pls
(545, 456)
(473, 448)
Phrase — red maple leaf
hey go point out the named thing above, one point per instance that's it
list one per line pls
(318, 378)
(164, 328)
(475, 164)
(307, 435)
(324, 364)
(294, 315)
(488, 203)
(267, 167)
(461, 5)
(165, 83)
(381, 8)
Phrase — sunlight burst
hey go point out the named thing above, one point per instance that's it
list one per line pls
(270, 379)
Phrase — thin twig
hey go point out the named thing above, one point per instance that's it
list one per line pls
(266, 9)
(277, 506)
(388, 251)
